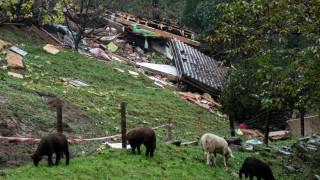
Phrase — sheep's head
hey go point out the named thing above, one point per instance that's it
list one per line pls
(36, 158)
(229, 153)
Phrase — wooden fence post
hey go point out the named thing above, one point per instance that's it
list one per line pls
(169, 129)
(123, 125)
(266, 135)
(59, 116)
(302, 111)
(199, 126)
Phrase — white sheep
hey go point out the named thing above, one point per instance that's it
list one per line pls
(214, 144)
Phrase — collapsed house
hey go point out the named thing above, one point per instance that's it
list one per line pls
(177, 43)
(197, 69)
(193, 67)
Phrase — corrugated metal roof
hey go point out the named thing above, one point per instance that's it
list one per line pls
(196, 68)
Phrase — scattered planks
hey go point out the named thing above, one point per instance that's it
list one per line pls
(43, 35)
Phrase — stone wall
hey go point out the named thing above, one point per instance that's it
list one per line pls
(311, 126)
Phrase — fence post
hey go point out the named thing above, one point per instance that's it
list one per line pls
(266, 135)
(169, 129)
(199, 126)
(59, 116)
(123, 124)
(302, 111)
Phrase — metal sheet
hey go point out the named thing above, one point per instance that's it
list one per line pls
(196, 68)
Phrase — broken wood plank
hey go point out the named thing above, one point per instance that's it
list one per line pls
(54, 38)
(16, 75)
(51, 49)
(261, 134)
(190, 143)
(210, 99)
(14, 60)
(175, 142)
(42, 35)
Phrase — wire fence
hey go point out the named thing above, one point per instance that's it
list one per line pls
(278, 120)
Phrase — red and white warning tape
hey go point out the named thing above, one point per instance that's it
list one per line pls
(75, 140)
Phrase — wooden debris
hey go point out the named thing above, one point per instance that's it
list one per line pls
(207, 97)
(15, 75)
(14, 60)
(54, 38)
(42, 35)
(134, 74)
(190, 143)
(175, 142)
(51, 49)
(119, 70)
(4, 44)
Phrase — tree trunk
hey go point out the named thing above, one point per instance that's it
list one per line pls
(231, 123)
(266, 135)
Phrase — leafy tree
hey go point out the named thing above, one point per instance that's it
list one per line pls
(282, 38)
(44, 11)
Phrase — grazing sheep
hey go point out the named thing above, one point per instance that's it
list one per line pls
(254, 167)
(214, 144)
(53, 143)
(140, 135)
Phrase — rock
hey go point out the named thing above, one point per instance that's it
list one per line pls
(3, 158)
(248, 147)
(314, 142)
(282, 152)
(234, 147)
(233, 140)
(286, 148)
(311, 147)
(290, 168)
(306, 138)
(300, 147)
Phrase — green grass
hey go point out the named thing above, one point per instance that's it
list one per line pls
(169, 162)
(87, 115)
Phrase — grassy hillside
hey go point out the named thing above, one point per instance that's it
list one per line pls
(30, 102)
(27, 109)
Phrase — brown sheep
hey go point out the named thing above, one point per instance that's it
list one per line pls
(140, 135)
(254, 167)
(53, 143)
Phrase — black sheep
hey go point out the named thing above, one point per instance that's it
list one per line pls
(140, 135)
(53, 143)
(254, 167)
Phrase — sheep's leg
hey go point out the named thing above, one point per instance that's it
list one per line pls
(147, 152)
(246, 175)
(151, 152)
(240, 173)
(57, 158)
(66, 152)
(251, 176)
(50, 163)
(133, 149)
(208, 158)
(138, 147)
(224, 160)
(214, 159)
(258, 178)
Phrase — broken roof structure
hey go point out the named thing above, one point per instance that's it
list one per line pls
(197, 69)
(166, 30)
